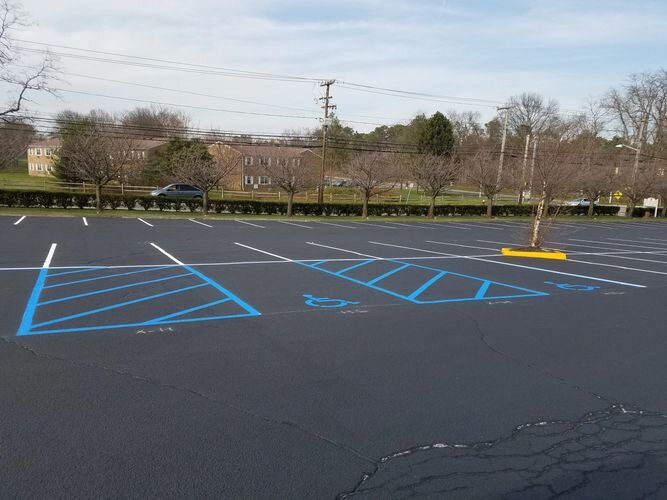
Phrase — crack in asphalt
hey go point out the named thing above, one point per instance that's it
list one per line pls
(208, 397)
(544, 459)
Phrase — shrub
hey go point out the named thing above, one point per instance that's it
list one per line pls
(63, 200)
(112, 201)
(82, 200)
(146, 202)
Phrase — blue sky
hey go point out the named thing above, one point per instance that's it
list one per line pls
(565, 50)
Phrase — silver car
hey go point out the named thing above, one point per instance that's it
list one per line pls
(178, 191)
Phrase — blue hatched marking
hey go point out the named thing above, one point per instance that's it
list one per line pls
(107, 276)
(440, 273)
(93, 268)
(27, 327)
(106, 290)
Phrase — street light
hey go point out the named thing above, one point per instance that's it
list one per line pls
(626, 146)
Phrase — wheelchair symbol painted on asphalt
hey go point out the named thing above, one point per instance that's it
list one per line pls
(327, 303)
(577, 288)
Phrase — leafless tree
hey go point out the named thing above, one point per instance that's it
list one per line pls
(555, 166)
(659, 188)
(204, 167)
(291, 176)
(94, 150)
(371, 174)
(466, 125)
(22, 76)
(156, 121)
(434, 174)
(636, 180)
(530, 114)
(15, 136)
(595, 175)
(483, 171)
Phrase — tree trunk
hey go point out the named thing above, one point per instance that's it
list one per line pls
(535, 230)
(591, 208)
(204, 203)
(290, 199)
(630, 212)
(431, 208)
(664, 210)
(364, 207)
(489, 206)
(98, 197)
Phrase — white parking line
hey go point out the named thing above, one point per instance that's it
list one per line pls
(142, 220)
(459, 245)
(294, 224)
(411, 226)
(374, 225)
(49, 256)
(167, 254)
(85, 222)
(19, 221)
(249, 223)
(616, 244)
(264, 252)
(197, 222)
(337, 225)
(635, 241)
(501, 263)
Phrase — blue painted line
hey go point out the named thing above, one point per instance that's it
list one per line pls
(94, 268)
(116, 306)
(482, 290)
(186, 311)
(342, 271)
(29, 313)
(222, 289)
(427, 284)
(112, 289)
(132, 325)
(107, 276)
(315, 264)
(387, 274)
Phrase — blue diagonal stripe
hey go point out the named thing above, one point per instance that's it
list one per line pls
(482, 290)
(107, 276)
(422, 288)
(116, 306)
(342, 271)
(93, 268)
(186, 311)
(105, 290)
(387, 274)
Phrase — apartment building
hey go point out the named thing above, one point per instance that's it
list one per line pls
(41, 156)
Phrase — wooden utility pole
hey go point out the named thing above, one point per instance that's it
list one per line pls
(522, 187)
(502, 146)
(326, 107)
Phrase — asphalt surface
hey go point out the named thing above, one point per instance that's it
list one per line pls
(299, 359)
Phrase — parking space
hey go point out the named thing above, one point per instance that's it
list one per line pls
(351, 344)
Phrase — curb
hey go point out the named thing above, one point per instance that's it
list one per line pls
(536, 254)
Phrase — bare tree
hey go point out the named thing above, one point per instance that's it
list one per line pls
(291, 176)
(636, 181)
(555, 165)
(595, 176)
(434, 174)
(660, 187)
(483, 170)
(204, 167)
(156, 121)
(530, 114)
(15, 136)
(23, 77)
(93, 150)
(371, 174)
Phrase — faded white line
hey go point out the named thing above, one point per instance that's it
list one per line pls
(167, 254)
(264, 252)
(294, 224)
(142, 220)
(645, 247)
(550, 271)
(333, 224)
(85, 221)
(374, 225)
(459, 245)
(49, 256)
(409, 225)
(634, 241)
(19, 221)
(197, 222)
(344, 250)
(249, 223)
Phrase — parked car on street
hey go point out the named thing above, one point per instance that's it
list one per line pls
(178, 191)
(580, 202)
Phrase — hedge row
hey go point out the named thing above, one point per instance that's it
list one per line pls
(26, 199)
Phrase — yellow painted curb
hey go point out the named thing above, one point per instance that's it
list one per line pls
(536, 254)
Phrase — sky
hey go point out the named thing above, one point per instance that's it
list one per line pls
(474, 55)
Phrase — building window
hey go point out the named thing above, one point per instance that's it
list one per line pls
(247, 161)
(296, 162)
(248, 180)
(47, 151)
(264, 180)
(38, 151)
(265, 162)
(142, 154)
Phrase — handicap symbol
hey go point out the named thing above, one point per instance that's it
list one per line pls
(578, 288)
(327, 303)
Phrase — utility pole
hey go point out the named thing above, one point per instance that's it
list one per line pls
(522, 188)
(532, 168)
(326, 107)
(638, 153)
(502, 146)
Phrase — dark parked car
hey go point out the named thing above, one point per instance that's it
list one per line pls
(178, 191)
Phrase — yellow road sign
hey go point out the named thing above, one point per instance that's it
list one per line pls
(618, 195)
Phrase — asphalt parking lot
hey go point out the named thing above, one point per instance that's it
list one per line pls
(175, 358)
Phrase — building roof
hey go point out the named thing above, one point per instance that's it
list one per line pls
(50, 142)
(271, 150)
